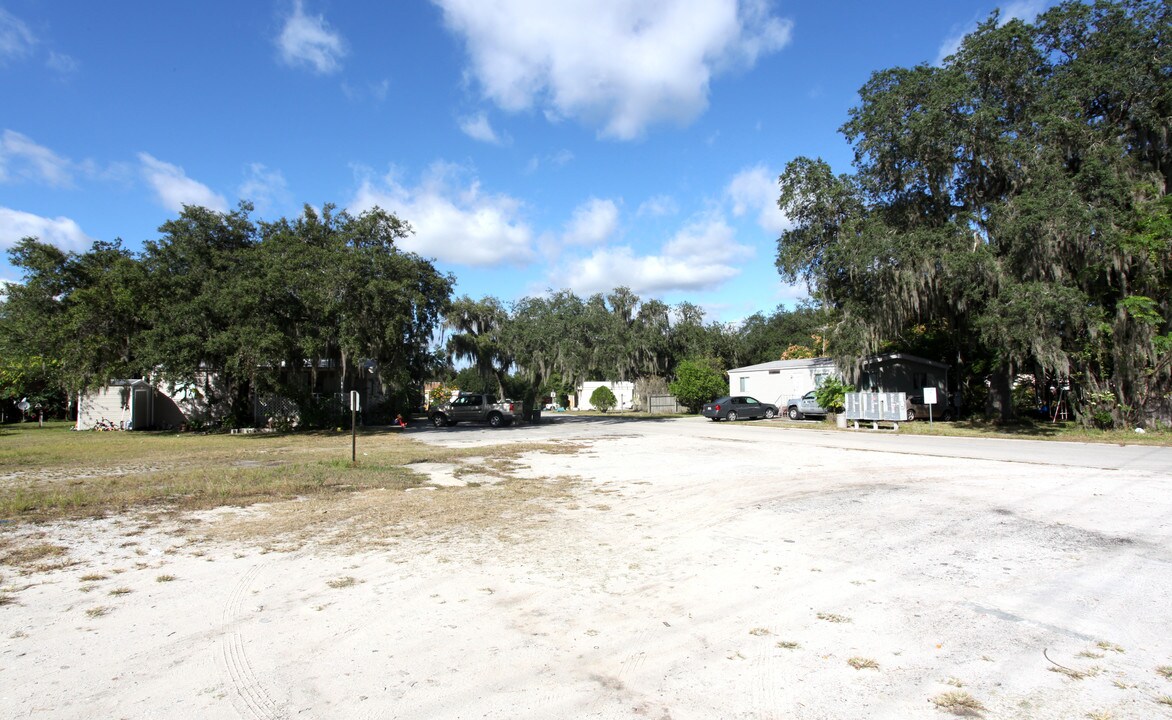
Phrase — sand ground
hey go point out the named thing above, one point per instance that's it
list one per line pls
(676, 569)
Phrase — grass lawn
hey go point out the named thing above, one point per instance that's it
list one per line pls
(56, 473)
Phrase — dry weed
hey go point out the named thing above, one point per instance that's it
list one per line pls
(1074, 674)
(861, 663)
(831, 617)
(1165, 671)
(958, 702)
(759, 631)
(788, 645)
(342, 582)
(25, 555)
(121, 591)
(99, 611)
(165, 578)
(1104, 645)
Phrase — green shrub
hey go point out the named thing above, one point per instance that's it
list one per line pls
(697, 382)
(603, 399)
(831, 394)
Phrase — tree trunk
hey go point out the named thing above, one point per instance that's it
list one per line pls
(999, 403)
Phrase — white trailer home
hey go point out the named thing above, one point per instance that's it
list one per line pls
(779, 380)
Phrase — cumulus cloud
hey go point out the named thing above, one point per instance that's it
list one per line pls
(592, 223)
(455, 221)
(16, 40)
(698, 257)
(658, 206)
(266, 189)
(477, 127)
(22, 158)
(617, 64)
(16, 225)
(1026, 10)
(174, 189)
(309, 40)
(754, 190)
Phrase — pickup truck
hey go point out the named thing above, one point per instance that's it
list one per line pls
(798, 408)
(474, 407)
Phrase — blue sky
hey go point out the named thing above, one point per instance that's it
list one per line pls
(532, 144)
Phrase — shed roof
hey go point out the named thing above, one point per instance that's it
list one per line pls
(825, 361)
(785, 364)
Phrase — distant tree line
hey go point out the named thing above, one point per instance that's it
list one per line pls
(261, 305)
(255, 305)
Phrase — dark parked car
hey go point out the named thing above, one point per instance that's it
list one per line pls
(917, 410)
(738, 406)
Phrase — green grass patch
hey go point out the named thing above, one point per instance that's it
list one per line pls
(1036, 430)
(56, 473)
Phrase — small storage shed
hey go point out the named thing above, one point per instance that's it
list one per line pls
(126, 404)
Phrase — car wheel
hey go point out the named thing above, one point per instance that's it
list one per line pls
(911, 415)
(794, 414)
(769, 413)
(732, 416)
(495, 420)
(439, 421)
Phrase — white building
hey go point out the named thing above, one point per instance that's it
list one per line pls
(780, 380)
(624, 393)
(124, 404)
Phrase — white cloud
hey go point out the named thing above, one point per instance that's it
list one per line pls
(1026, 10)
(592, 222)
(658, 206)
(174, 189)
(20, 157)
(618, 64)
(309, 40)
(16, 225)
(477, 127)
(266, 189)
(16, 40)
(698, 257)
(755, 190)
(62, 63)
(455, 221)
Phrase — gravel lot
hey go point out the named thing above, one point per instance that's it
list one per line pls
(689, 570)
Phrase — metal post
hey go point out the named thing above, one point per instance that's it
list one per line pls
(353, 435)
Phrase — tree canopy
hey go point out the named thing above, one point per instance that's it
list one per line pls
(1014, 201)
(219, 295)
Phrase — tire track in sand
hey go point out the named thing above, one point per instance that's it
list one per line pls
(251, 699)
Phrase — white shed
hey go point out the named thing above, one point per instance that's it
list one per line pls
(127, 404)
(779, 380)
(624, 393)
